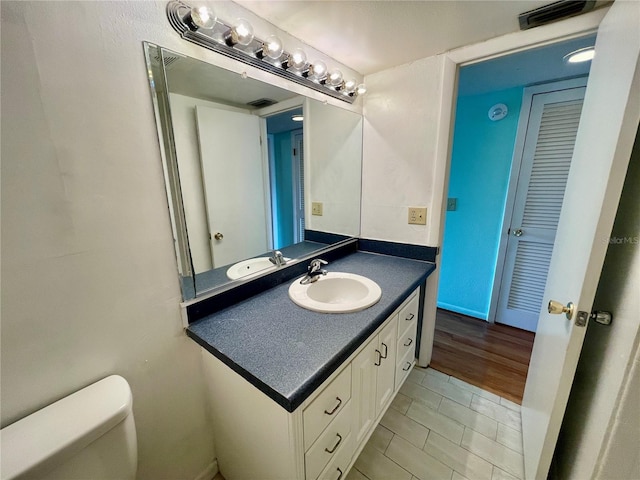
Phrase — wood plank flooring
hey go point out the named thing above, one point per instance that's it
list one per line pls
(491, 356)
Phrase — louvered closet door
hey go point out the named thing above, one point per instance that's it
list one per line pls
(298, 182)
(548, 147)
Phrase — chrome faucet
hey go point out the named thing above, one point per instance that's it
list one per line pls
(314, 270)
(277, 259)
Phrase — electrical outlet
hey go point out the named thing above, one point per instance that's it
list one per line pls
(417, 215)
(316, 208)
(452, 204)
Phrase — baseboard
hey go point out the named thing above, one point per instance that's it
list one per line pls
(209, 472)
(464, 311)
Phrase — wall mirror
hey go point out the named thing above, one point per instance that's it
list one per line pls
(250, 169)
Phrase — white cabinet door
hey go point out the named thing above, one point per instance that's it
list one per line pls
(363, 390)
(373, 379)
(386, 364)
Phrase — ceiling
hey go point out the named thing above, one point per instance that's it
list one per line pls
(374, 35)
(538, 65)
(194, 78)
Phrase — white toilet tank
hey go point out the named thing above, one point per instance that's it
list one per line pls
(89, 435)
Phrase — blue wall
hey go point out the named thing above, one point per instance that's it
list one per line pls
(283, 232)
(479, 177)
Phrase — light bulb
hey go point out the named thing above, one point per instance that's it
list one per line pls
(241, 33)
(318, 70)
(350, 86)
(272, 47)
(361, 89)
(334, 78)
(200, 17)
(297, 59)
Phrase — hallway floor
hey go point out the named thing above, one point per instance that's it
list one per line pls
(440, 427)
(488, 355)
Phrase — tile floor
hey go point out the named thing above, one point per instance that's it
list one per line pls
(439, 427)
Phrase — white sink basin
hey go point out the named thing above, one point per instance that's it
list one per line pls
(249, 267)
(336, 292)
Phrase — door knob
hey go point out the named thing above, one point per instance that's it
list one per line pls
(558, 308)
(218, 236)
(518, 232)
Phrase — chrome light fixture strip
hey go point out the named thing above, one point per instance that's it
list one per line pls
(176, 10)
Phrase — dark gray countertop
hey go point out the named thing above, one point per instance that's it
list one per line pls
(287, 351)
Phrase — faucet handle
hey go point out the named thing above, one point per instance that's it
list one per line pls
(316, 263)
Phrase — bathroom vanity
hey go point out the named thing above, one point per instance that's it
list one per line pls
(296, 394)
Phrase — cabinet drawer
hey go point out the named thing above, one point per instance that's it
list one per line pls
(407, 341)
(336, 469)
(404, 366)
(329, 444)
(408, 317)
(326, 406)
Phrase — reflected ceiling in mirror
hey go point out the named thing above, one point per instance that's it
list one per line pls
(242, 176)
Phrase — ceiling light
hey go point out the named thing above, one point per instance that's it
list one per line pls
(241, 33)
(200, 17)
(297, 118)
(581, 55)
(236, 40)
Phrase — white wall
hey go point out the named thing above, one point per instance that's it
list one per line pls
(401, 137)
(407, 114)
(89, 276)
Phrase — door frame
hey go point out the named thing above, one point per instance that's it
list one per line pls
(449, 63)
(514, 175)
(263, 113)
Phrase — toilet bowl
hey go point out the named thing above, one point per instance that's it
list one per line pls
(89, 434)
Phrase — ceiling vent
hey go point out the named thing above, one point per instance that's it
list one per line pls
(262, 102)
(169, 59)
(554, 11)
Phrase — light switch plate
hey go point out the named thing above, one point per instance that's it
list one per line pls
(452, 204)
(316, 208)
(417, 215)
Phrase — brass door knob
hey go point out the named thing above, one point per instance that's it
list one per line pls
(218, 236)
(558, 308)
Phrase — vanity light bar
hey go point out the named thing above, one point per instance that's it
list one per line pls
(222, 38)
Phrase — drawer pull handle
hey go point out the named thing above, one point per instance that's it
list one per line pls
(335, 408)
(386, 350)
(340, 472)
(336, 445)
(408, 342)
(379, 360)
(407, 367)
(410, 317)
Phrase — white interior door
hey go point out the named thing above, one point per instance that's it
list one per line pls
(608, 126)
(234, 186)
(551, 128)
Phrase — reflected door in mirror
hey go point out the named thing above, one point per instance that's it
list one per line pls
(233, 181)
